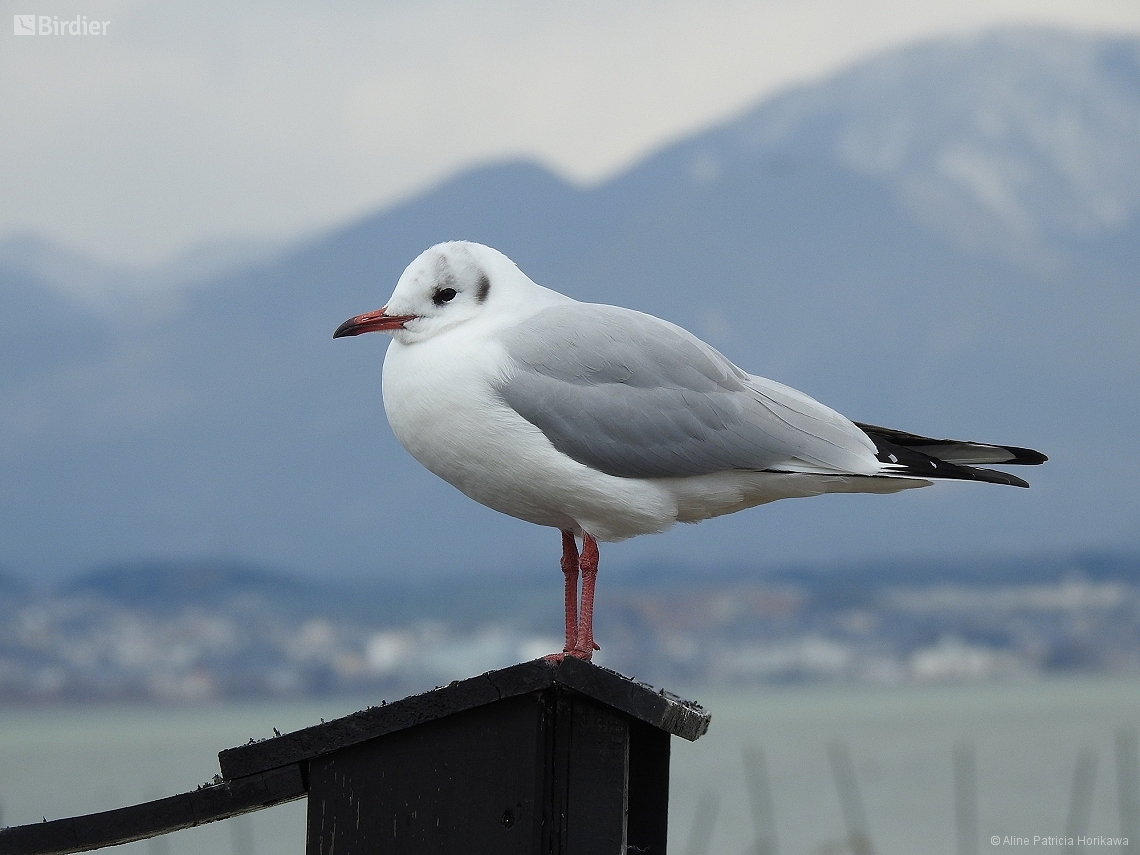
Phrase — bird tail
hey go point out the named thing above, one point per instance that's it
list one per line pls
(909, 455)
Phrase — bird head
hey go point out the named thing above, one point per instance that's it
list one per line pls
(447, 285)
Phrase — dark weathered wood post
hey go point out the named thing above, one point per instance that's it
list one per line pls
(535, 758)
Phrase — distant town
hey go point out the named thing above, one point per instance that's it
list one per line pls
(201, 631)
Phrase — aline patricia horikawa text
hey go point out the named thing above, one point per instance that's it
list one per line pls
(1058, 840)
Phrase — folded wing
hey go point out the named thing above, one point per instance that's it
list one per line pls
(634, 396)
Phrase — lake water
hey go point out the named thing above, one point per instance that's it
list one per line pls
(1025, 740)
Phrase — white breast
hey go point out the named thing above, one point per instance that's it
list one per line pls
(441, 403)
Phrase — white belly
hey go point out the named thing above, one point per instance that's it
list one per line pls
(443, 409)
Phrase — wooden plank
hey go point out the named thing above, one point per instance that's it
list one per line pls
(358, 727)
(149, 819)
(471, 782)
(657, 708)
(648, 795)
(556, 794)
(597, 777)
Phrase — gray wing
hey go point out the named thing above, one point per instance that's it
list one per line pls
(634, 396)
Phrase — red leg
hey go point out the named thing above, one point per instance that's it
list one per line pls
(570, 571)
(584, 647)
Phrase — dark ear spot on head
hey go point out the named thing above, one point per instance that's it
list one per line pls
(484, 288)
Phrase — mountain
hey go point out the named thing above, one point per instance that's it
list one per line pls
(103, 285)
(943, 239)
(169, 585)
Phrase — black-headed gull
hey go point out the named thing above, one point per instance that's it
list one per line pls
(607, 423)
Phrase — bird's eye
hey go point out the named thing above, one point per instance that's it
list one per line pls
(444, 295)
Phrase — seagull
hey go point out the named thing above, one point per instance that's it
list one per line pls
(606, 423)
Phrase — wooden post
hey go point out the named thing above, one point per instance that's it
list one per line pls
(557, 759)
(544, 772)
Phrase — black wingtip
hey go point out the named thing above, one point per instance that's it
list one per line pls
(1025, 456)
(993, 476)
(956, 451)
(914, 457)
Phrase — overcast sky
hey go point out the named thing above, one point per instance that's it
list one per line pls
(194, 122)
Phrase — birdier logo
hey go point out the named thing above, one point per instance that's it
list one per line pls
(51, 25)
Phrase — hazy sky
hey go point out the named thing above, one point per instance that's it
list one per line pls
(194, 122)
